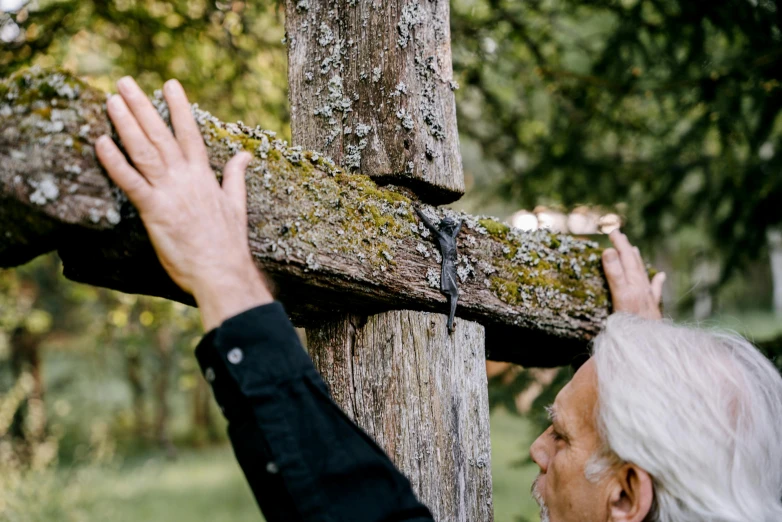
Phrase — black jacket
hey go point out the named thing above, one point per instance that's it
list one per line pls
(303, 458)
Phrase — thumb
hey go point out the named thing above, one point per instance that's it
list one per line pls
(657, 286)
(233, 180)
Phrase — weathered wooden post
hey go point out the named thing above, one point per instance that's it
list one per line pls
(371, 86)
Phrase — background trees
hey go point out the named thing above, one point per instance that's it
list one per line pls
(665, 110)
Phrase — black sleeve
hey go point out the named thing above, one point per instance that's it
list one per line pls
(303, 458)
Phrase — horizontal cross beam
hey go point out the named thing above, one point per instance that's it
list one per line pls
(331, 241)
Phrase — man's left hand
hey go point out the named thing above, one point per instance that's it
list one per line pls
(628, 279)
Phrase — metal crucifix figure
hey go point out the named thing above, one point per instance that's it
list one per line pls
(446, 233)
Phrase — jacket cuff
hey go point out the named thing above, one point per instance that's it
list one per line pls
(249, 352)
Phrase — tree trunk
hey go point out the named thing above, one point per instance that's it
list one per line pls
(134, 373)
(29, 422)
(163, 342)
(422, 395)
(775, 256)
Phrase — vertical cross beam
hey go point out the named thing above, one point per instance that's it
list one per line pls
(371, 86)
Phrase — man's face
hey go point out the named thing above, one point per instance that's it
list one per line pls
(562, 452)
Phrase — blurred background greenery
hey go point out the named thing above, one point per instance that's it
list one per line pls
(663, 112)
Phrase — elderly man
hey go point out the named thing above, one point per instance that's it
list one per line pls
(664, 423)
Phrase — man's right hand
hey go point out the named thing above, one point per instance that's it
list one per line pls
(631, 290)
(198, 228)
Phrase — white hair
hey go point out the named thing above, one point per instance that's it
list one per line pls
(700, 411)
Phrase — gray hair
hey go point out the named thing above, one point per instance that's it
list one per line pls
(700, 411)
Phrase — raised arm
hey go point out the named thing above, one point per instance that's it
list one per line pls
(426, 221)
(458, 228)
(303, 458)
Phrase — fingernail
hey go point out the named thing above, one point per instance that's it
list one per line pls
(115, 101)
(125, 81)
(172, 86)
(663, 277)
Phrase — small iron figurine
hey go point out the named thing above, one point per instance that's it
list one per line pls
(446, 233)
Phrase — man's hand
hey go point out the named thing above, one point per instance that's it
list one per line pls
(628, 279)
(198, 229)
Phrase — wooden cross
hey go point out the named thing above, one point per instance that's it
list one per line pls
(371, 87)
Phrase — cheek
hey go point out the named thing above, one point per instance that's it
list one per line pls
(570, 496)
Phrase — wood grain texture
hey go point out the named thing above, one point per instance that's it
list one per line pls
(331, 241)
(371, 86)
(422, 395)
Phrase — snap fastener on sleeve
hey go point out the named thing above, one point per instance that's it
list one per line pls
(209, 373)
(272, 468)
(235, 356)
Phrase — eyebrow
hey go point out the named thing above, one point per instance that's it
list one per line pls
(551, 412)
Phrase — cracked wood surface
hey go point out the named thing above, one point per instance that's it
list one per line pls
(331, 241)
(421, 394)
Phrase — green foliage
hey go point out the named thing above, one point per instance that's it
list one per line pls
(670, 108)
(228, 55)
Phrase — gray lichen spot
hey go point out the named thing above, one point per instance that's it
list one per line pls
(399, 90)
(312, 264)
(302, 5)
(405, 118)
(362, 130)
(433, 278)
(377, 72)
(50, 127)
(264, 148)
(411, 16)
(353, 155)
(112, 216)
(326, 36)
(46, 190)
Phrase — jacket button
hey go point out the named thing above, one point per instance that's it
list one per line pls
(272, 468)
(210, 375)
(235, 356)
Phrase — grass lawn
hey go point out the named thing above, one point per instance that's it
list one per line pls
(207, 485)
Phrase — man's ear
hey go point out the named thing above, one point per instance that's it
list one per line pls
(631, 495)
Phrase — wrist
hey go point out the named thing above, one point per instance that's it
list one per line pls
(230, 293)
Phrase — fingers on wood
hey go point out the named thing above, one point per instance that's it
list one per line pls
(149, 120)
(121, 172)
(233, 180)
(141, 151)
(188, 135)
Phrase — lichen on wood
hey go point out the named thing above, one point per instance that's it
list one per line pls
(333, 241)
(384, 68)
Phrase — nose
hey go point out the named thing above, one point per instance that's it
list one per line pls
(539, 452)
